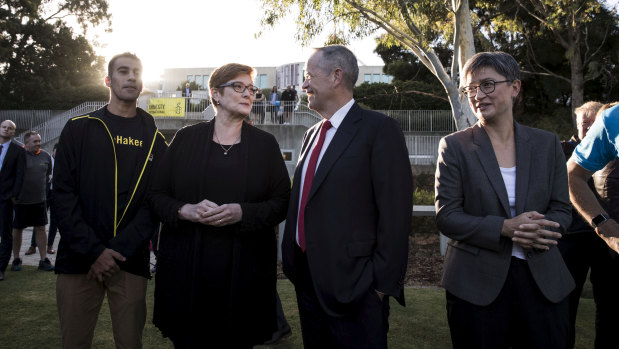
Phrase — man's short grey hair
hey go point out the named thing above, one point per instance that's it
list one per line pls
(503, 63)
(338, 56)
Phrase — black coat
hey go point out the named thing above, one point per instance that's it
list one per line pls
(12, 174)
(84, 193)
(184, 299)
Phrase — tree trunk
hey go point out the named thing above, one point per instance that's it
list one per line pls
(577, 81)
(463, 115)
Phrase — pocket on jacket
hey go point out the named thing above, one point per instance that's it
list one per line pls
(464, 247)
(360, 248)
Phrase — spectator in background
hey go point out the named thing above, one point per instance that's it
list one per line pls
(289, 97)
(596, 156)
(580, 246)
(259, 107)
(31, 207)
(12, 167)
(53, 228)
(274, 99)
(187, 94)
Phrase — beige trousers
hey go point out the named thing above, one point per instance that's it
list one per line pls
(79, 302)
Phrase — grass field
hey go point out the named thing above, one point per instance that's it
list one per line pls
(29, 319)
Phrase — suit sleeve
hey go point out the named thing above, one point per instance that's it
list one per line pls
(271, 211)
(73, 229)
(392, 181)
(451, 218)
(559, 206)
(141, 227)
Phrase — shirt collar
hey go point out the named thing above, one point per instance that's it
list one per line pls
(339, 115)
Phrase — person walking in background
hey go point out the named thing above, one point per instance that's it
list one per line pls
(345, 244)
(221, 190)
(12, 167)
(596, 156)
(31, 206)
(502, 200)
(273, 100)
(53, 228)
(102, 171)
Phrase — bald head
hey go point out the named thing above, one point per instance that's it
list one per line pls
(7, 130)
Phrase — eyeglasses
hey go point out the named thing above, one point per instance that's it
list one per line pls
(486, 87)
(240, 88)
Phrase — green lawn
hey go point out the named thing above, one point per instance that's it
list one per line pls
(28, 317)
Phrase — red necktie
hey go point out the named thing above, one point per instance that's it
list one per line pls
(309, 178)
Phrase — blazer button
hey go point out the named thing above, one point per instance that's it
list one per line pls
(529, 254)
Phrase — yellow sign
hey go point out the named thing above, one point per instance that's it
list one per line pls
(167, 107)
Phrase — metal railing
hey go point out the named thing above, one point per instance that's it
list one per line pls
(26, 119)
(422, 149)
(51, 128)
(423, 120)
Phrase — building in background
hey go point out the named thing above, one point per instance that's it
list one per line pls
(266, 77)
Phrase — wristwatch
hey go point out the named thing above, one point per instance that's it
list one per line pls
(599, 220)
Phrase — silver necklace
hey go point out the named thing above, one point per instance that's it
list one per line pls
(224, 148)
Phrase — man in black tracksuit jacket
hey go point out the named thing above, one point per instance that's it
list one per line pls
(103, 165)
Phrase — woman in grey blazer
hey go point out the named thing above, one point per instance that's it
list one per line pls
(502, 199)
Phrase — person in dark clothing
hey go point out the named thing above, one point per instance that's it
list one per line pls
(12, 167)
(101, 175)
(584, 251)
(221, 190)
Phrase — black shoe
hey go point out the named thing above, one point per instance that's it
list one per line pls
(46, 265)
(279, 335)
(1, 275)
(16, 264)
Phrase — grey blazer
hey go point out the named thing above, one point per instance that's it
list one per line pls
(471, 205)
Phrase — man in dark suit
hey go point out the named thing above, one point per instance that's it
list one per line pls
(12, 166)
(345, 245)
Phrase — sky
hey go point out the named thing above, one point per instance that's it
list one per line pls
(196, 33)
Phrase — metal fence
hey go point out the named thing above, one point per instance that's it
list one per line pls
(51, 128)
(423, 120)
(26, 119)
(422, 149)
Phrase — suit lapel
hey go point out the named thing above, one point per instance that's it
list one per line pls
(490, 165)
(343, 136)
(523, 166)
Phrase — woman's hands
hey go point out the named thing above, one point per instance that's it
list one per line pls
(209, 213)
(528, 230)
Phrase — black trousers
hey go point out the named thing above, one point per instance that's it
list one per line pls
(520, 317)
(6, 233)
(365, 328)
(584, 251)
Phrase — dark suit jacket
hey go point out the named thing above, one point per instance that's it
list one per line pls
(358, 212)
(12, 173)
(472, 203)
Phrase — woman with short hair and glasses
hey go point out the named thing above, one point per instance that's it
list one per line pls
(221, 189)
(502, 199)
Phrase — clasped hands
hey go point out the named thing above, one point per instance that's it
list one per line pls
(209, 213)
(529, 231)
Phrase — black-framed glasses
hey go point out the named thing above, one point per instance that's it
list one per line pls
(239, 87)
(486, 87)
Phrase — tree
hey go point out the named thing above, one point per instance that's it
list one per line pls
(41, 56)
(192, 86)
(418, 25)
(551, 31)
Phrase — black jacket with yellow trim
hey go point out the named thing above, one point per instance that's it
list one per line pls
(85, 196)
